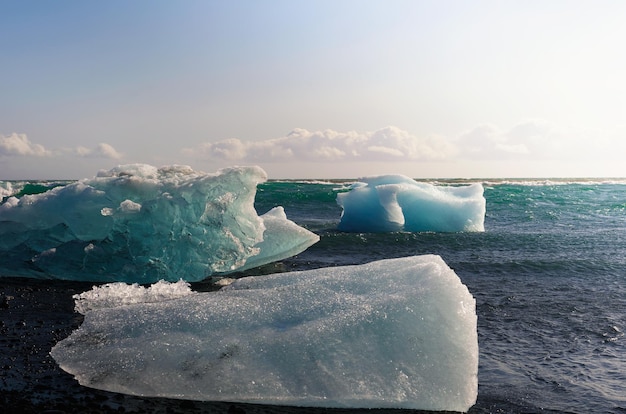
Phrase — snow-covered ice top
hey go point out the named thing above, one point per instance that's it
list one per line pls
(399, 203)
(111, 295)
(393, 333)
(139, 223)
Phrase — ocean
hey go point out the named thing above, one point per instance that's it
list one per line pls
(548, 274)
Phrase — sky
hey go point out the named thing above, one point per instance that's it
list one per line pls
(314, 89)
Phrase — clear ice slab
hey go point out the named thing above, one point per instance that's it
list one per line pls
(396, 333)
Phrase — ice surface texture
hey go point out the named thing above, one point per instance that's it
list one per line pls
(392, 333)
(139, 223)
(399, 203)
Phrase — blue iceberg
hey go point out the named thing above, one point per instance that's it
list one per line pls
(399, 203)
(397, 333)
(139, 223)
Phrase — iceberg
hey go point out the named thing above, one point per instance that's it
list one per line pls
(398, 203)
(139, 223)
(396, 333)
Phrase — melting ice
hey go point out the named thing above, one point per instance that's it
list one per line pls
(393, 333)
(396, 203)
(139, 223)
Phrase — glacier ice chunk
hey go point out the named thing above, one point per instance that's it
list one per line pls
(282, 238)
(399, 203)
(139, 223)
(394, 333)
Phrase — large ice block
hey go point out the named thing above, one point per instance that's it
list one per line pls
(393, 333)
(139, 223)
(399, 203)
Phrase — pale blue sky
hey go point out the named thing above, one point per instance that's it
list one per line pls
(314, 89)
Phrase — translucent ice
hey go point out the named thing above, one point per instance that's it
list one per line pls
(399, 203)
(282, 238)
(393, 333)
(139, 223)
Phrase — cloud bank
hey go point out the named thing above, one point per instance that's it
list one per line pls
(387, 144)
(102, 150)
(538, 140)
(526, 140)
(18, 145)
(529, 148)
(529, 140)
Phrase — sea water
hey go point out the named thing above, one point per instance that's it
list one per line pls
(548, 274)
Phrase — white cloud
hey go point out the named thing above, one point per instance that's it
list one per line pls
(529, 148)
(20, 145)
(105, 150)
(394, 152)
(387, 144)
(230, 149)
(536, 140)
(81, 151)
(102, 150)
